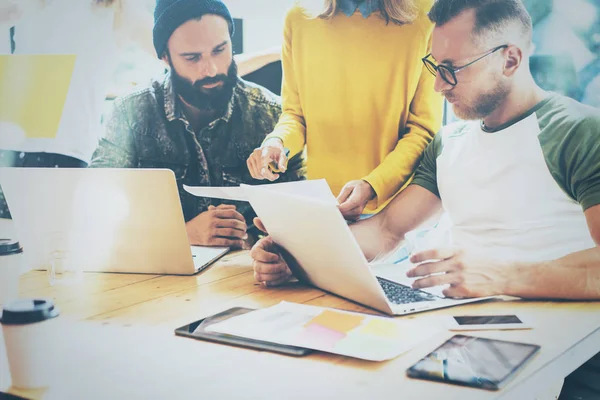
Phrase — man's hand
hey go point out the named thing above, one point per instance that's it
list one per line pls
(220, 226)
(270, 269)
(468, 276)
(354, 198)
(272, 151)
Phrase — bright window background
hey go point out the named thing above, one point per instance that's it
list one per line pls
(566, 57)
(262, 29)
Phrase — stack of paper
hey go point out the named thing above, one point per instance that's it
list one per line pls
(333, 331)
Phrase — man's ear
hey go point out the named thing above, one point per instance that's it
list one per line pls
(166, 58)
(513, 58)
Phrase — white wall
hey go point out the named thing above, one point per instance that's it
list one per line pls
(263, 21)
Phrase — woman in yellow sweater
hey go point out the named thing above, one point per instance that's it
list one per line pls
(355, 92)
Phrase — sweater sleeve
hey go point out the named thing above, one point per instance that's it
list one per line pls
(291, 128)
(424, 120)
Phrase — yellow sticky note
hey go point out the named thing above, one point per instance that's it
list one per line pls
(34, 90)
(337, 321)
(379, 327)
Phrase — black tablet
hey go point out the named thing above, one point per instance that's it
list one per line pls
(197, 330)
(473, 361)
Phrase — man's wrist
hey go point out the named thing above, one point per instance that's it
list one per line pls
(518, 278)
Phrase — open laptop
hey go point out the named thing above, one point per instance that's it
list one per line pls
(316, 235)
(103, 220)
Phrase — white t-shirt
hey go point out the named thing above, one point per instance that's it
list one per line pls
(73, 27)
(519, 192)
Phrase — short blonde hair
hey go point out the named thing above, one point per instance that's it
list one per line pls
(399, 12)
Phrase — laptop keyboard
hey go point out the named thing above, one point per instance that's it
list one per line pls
(401, 294)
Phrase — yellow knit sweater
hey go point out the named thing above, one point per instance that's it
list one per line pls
(355, 92)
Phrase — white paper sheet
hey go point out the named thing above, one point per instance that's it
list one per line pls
(350, 334)
(314, 189)
(215, 192)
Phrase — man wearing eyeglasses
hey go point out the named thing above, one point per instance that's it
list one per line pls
(519, 178)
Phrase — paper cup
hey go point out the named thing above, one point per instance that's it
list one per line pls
(29, 327)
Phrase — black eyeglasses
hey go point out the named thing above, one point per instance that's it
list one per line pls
(447, 73)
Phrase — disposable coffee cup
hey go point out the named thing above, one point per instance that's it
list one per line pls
(29, 329)
(11, 261)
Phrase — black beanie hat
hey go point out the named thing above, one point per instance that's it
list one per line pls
(171, 14)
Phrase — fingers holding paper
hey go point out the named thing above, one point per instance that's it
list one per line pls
(354, 198)
(467, 275)
(270, 269)
(259, 224)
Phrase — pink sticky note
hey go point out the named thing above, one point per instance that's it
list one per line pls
(319, 336)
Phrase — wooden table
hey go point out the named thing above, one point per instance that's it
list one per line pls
(119, 343)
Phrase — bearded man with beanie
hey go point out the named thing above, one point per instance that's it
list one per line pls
(200, 120)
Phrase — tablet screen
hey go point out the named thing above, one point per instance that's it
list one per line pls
(487, 319)
(197, 330)
(473, 361)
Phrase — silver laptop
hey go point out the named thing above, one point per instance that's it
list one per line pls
(316, 235)
(104, 220)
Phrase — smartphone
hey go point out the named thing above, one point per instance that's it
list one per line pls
(485, 322)
(197, 330)
(473, 361)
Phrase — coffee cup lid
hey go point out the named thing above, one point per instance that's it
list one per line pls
(9, 246)
(28, 311)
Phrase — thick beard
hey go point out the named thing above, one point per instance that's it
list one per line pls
(215, 99)
(484, 104)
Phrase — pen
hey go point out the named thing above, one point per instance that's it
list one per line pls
(273, 165)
